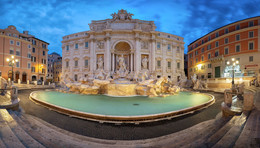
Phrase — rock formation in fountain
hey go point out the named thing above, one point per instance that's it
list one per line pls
(121, 85)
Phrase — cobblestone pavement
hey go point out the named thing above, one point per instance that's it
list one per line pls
(118, 132)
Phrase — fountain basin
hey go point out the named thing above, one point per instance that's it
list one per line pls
(122, 109)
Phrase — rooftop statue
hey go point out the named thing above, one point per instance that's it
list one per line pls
(122, 15)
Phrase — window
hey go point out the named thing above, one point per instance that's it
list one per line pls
(251, 58)
(216, 53)
(226, 30)
(237, 27)
(209, 65)
(17, 53)
(86, 44)
(33, 50)
(33, 42)
(11, 42)
(43, 61)
(197, 60)
(76, 63)
(209, 55)
(29, 46)
(43, 52)
(237, 37)
(11, 51)
(158, 45)
(209, 47)
(76, 77)
(169, 65)
(237, 48)
(217, 34)
(18, 64)
(86, 63)
(18, 43)
(44, 46)
(29, 65)
(202, 58)
(158, 63)
(28, 55)
(178, 65)
(169, 36)
(191, 55)
(33, 69)
(43, 70)
(202, 41)
(226, 40)
(209, 38)
(251, 46)
(76, 46)
(67, 48)
(169, 47)
(33, 59)
(226, 50)
(251, 34)
(251, 24)
(196, 44)
(202, 50)
(196, 52)
(216, 44)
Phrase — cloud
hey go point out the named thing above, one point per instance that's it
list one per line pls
(51, 20)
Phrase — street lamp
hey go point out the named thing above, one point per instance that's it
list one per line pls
(11, 63)
(234, 63)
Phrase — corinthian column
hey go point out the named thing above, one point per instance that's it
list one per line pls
(153, 55)
(107, 57)
(137, 54)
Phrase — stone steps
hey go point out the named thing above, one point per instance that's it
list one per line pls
(201, 141)
(8, 138)
(50, 137)
(230, 138)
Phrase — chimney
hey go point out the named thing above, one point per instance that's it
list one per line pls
(25, 32)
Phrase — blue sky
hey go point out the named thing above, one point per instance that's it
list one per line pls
(50, 20)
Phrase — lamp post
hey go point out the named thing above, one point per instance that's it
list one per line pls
(11, 63)
(234, 63)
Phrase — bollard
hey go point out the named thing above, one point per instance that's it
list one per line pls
(49, 83)
(19, 81)
(14, 93)
(228, 97)
(248, 101)
(28, 82)
(35, 82)
(42, 82)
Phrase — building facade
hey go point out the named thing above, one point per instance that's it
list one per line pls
(134, 40)
(29, 51)
(54, 67)
(208, 56)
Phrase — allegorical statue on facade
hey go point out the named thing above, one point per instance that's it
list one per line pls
(100, 63)
(145, 63)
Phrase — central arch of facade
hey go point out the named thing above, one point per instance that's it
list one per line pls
(122, 48)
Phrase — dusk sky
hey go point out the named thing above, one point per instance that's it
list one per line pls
(50, 20)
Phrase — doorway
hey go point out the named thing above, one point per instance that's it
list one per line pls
(217, 72)
(24, 77)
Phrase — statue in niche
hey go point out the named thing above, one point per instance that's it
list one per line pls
(122, 71)
(145, 62)
(100, 63)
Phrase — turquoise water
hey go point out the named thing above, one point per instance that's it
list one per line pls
(122, 106)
